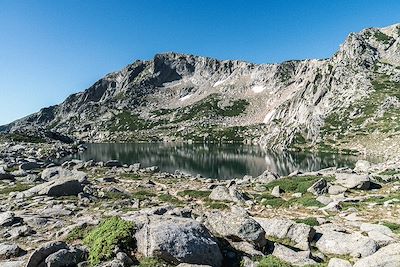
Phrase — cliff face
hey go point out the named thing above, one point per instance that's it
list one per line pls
(295, 103)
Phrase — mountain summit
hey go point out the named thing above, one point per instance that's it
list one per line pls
(342, 102)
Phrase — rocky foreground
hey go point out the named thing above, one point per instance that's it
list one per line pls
(109, 214)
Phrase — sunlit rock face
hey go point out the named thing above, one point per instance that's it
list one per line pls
(174, 95)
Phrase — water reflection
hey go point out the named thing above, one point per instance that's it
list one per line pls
(212, 160)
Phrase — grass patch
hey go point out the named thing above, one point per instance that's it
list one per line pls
(130, 176)
(169, 199)
(102, 240)
(142, 194)
(19, 187)
(298, 184)
(153, 262)
(272, 261)
(195, 193)
(307, 200)
(217, 205)
(79, 232)
(395, 227)
(311, 221)
(390, 172)
(381, 37)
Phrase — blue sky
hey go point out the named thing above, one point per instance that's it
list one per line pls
(50, 49)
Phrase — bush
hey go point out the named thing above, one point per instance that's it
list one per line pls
(102, 240)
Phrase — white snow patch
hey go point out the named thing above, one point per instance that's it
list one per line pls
(269, 116)
(186, 97)
(219, 83)
(258, 88)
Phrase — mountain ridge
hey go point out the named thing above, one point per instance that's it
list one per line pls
(186, 97)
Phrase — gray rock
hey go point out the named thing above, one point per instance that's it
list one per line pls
(124, 258)
(30, 165)
(66, 257)
(17, 263)
(353, 180)
(56, 188)
(324, 200)
(192, 265)
(336, 189)
(279, 228)
(362, 166)
(222, 193)
(176, 240)
(276, 191)
(286, 254)
(388, 256)
(380, 233)
(5, 175)
(338, 243)
(266, 177)
(8, 219)
(8, 251)
(336, 262)
(320, 187)
(112, 163)
(39, 256)
(236, 226)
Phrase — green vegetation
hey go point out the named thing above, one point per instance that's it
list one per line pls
(272, 261)
(127, 121)
(130, 176)
(78, 233)
(381, 37)
(395, 227)
(20, 137)
(209, 107)
(216, 134)
(153, 262)
(143, 194)
(298, 184)
(195, 193)
(307, 200)
(390, 172)
(19, 187)
(311, 221)
(217, 205)
(102, 240)
(169, 199)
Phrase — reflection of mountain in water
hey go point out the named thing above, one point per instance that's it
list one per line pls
(211, 160)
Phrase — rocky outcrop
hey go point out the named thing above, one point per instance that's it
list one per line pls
(296, 102)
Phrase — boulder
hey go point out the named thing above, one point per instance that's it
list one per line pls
(12, 263)
(351, 181)
(176, 240)
(8, 251)
(236, 226)
(320, 187)
(68, 186)
(362, 166)
(30, 165)
(336, 262)
(222, 193)
(5, 175)
(39, 256)
(54, 173)
(388, 256)
(112, 163)
(299, 234)
(380, 233)
(297, 258)
(336, 189)
(8, 219)
(339, 243)
(266, 177)
(66, 257)
(276, 191)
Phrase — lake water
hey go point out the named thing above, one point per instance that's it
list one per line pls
(214, 160)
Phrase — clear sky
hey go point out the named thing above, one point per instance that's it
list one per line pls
(50, 49)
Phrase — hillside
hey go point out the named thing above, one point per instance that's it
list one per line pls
(346, 102)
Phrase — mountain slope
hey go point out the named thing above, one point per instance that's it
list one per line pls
(301, 104)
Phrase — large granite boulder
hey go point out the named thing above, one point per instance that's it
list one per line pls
(388, 256)
(176, 240)
(299, 234)
(355, 181)
(236, 226)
